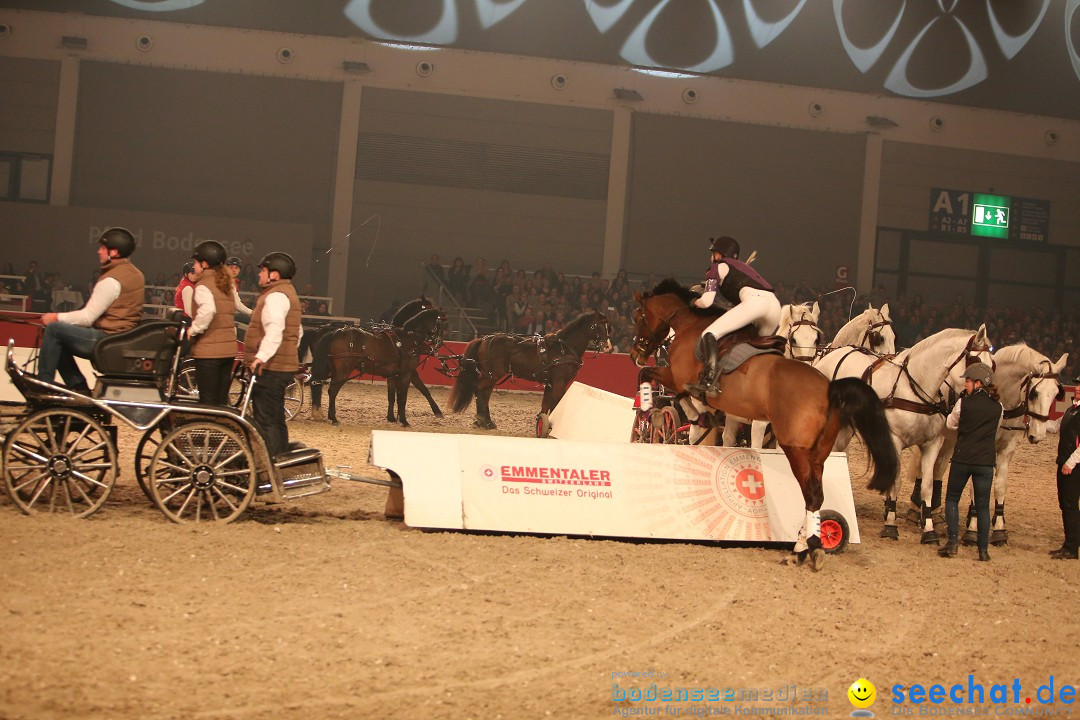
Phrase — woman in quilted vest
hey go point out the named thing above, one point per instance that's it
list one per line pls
(213, 331)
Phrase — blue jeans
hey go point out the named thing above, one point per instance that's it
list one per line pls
(60, 344)
(982, 479)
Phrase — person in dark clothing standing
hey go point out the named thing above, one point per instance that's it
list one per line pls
(975, 417)
(1068, 482)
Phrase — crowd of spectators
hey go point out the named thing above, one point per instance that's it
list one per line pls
(543, 300)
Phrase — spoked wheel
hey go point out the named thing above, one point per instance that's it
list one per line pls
(834, 531)
(294, 399)
(237, 387)
(202, 472)
(144, 451)
(59, 461)
(665, 426)
(186, 385)
(641, 432)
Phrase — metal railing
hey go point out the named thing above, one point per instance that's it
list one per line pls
(460, 325)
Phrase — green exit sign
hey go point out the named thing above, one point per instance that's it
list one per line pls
(991, 215)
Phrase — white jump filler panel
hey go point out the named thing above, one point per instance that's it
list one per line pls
(564, 487)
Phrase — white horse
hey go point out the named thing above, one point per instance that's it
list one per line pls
(910, 386)
(1028, 384)
(799, 324)
(872, 329)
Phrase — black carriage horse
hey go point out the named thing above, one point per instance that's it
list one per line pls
(387, 351)
(552, 359)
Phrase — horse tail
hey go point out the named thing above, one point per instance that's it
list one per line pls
(859, 406)
(465, 384)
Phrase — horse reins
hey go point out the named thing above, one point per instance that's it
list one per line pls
(1027, 386)
(791, 340)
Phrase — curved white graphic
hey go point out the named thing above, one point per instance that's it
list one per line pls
(158, 5)
(898, 81)
(634, 51)
(1074, 57)
(444, 33)
(605, 17)
(491, 12)
(864, 58)
(763, 31)
(1012, 44)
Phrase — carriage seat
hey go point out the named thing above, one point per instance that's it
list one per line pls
(144, 352)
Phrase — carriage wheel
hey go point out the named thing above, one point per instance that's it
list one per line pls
(543, 425)
(202, 472)
(59, 461)
(294, 399)
(186, 385)
(834, 531)
(144, 451)
(641, 432)
(665, 426)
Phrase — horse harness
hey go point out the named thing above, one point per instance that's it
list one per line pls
(926, 403)
(871, 336)
(815, 353)
(1027, 387)
(426, 345)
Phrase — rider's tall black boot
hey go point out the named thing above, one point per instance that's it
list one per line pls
(709, 373)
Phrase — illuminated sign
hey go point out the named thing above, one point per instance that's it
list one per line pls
(959, 212)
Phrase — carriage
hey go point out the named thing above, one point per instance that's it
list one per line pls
(196, 463)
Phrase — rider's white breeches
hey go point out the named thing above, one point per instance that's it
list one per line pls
(759, 307)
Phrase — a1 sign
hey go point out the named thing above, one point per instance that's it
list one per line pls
(950, 211)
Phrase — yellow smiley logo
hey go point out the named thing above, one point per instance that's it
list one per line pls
(862, 693)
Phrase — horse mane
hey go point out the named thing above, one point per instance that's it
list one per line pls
(408, 311)
(421, 318)
(577, 323)
(1018, 352)
(936, 337)
(671, 286)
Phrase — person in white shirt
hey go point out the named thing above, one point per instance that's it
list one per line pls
(115, 305)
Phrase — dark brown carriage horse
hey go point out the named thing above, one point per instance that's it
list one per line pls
(805, 409)
(392, 353)
(552, 359)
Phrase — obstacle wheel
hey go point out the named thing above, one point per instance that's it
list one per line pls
(543, 425)
(202, 472)
(641, 431)
(834, 531)
(59, 461)
(665, 426)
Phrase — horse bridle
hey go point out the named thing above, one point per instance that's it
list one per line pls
(872, 334)
(1027, 389)
(791, 340)
(927, 404)
(646, 346)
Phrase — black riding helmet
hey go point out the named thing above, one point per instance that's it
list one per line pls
(233, 261)
(119, 239)
(189, 267)
(282, 262)
(210, 252)
(726, 246)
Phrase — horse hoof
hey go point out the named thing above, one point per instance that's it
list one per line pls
(439, 415)
(929, 537)
(890, 532)
(405, 423)
(914, 515)
(817, 559)
(999, 538)
(335, 423)
(970, 538)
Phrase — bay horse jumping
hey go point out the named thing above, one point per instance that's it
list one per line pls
(807, 411)
(551, 359)
(392, 353)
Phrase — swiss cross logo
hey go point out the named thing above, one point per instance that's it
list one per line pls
(750, 484)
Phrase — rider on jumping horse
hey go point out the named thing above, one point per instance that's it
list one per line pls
(753, 304)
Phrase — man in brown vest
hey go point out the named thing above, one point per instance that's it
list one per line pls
(115, 305)
(270, 347)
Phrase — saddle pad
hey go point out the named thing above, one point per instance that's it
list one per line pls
(740, 354)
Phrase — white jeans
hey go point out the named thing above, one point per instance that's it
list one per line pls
(757, 307)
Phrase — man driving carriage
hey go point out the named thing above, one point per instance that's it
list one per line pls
(753, 304)
(115, 305)
(270, 347)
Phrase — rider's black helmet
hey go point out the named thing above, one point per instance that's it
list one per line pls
(726, 246)
(282, 262)
(119, 239)
(233, 261)
(189, 267)
(210, 252)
